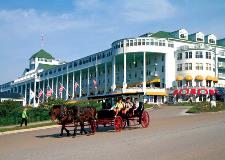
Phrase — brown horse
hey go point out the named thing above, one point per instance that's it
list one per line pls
(75, 115)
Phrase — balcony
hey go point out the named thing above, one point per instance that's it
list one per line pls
(221, 75)
(221, 64)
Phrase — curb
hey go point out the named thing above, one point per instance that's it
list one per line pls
(27, 130)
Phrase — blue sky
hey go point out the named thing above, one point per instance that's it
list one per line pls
(75, 28)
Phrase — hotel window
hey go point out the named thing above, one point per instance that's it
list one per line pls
(156, 43)
(160, 42)
(121, 45)
(80, 63)
(199, 66)
(127, 43)
(147, 42)
(190, 54)
(198, 54)
(186, 66)
(190, 66)
(163, 68)
(135, 75)
(59, 69)
(208, 66)
(186, 55)
(64, 68)
(143, 41)
(179, 56)
(139, 42)
(164, 43)
(135, 42)
(208, 55)
(152, 41)
(179, 67)
(170, 44)
(131, 43)
(182, 36)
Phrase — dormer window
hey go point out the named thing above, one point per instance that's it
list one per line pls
(211, 41)
(199, 39)
(182, 36)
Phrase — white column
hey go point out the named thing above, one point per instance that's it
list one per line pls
(73, 85)
(114, 73)
(63, 86)
(124, 71)
(106, 80)
(43, 89)
(96, 78)
(144, 72)
(80, 94)
(52, 84)
(29, 94)
(88, 82)
(34, 102)
(25, 94)
(39, 87)
(56, 87)
(67, 86)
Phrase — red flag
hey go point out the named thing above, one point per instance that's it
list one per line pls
(61, 89)
(49, 92)
(75, 86)
(95, 83)
(40, 93)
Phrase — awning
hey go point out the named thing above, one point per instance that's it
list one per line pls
(188, 78)
(179, 78)
(215, 79)
(193, 91)
(155, 80)
(199, 78)
(203, 91)
(209, 78)
(156, 93)
(175, 92)
(184, 91)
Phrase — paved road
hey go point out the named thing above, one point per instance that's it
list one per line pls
(172, 135)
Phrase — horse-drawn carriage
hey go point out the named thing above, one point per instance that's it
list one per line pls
(76, 115)
(136, 115)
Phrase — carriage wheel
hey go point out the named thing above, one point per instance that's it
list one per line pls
(145, 119)
(118, 124)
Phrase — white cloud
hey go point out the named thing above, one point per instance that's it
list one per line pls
(148, 10)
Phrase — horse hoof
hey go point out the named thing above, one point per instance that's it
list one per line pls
(68, 135)
(60, 136)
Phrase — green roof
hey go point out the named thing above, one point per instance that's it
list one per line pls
(46, 66)
(42, 54)
(162, 34)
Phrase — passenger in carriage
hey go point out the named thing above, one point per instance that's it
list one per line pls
(128, 105)
(119, 106)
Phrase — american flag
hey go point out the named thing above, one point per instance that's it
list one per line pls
(49, 92)
(95, 83)
(40, 93)
(61, 89)
(75, 86)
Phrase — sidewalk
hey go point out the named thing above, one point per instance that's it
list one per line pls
(5, 130)
(28, 124)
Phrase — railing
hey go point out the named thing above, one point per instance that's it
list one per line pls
(221, 64)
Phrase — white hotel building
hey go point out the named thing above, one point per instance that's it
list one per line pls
(153, 63)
